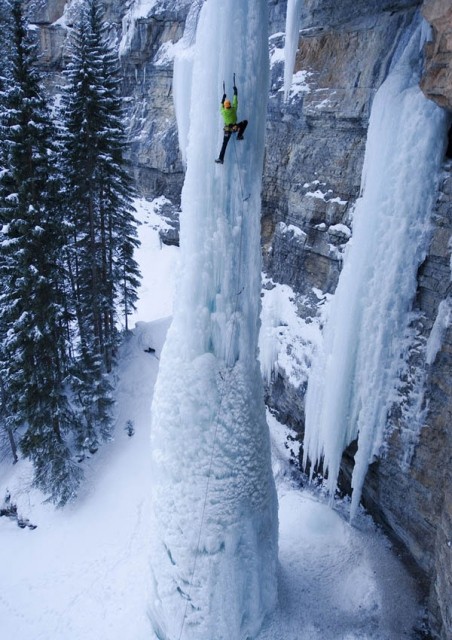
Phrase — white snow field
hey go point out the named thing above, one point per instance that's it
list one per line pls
(352, 383)
(214, 507)
(83, 573)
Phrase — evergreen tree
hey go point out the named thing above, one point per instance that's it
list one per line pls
(104, 274)
(6, 31)
(33, 308)
(5, 42)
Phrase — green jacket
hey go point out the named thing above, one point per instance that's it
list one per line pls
(230, 115)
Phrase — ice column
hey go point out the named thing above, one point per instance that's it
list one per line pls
(182, 76)
(291, 42)
(214, 529)
(352, 381)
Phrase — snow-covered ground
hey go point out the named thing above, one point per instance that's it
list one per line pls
(83, 573)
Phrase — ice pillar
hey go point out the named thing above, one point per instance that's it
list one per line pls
(214, 529)
(291, 42)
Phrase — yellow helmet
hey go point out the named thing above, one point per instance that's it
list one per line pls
(227, 104)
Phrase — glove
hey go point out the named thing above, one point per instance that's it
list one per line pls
(235, 90)
(223, 98)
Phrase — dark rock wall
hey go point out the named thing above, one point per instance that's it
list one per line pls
(429, 482)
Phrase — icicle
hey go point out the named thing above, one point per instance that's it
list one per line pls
(182, 76)
(291, 42)
(442, 322)
(353, 378)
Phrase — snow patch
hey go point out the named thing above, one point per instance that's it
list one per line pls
(315, 194)
(138, 10)
(298, 84)
(296, 232)
(158, 262)
(339, 229)
(276, 55)
(286, 341)
(166, 54)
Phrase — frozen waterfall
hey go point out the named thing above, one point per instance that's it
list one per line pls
(214, 533)
(291, 42)
(352, 382)
(182, 76)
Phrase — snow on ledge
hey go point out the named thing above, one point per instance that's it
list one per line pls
(299, 84)
(339, 229)
(137, 10)
(286, 341)
(291, 228)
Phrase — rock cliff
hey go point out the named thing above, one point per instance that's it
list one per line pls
(316, 146)
(311, 181)
(315, 150)
(437, 81)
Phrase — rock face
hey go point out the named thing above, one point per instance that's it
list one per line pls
(317, 141)
(437, 80)
(312, 176)
(432, 464)
(315, 150)
(147, 67)
(46, 12)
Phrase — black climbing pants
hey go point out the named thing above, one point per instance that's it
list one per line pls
(238, 128)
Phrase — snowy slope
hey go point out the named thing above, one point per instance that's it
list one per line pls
(82, 573)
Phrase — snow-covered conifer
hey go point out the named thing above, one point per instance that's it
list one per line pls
(104, 273)
(33, 307)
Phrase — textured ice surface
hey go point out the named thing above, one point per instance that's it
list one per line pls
(354, 374)
(214, 530)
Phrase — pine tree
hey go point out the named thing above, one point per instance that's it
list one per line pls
(104, 274)
(33, 307)
(6, 31)
(5, 42)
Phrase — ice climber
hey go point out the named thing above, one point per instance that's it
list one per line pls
(229, 113)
